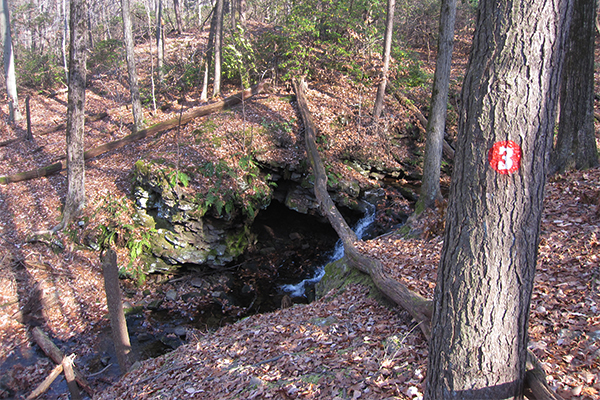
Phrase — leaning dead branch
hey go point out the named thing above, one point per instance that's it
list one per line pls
(418, 306)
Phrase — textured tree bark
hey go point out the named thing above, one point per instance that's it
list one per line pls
(478, 346)
(575, 146)
(9, 64)
(432, 161)
(155, 129)
(136, 103)
(389, 29)
(75, 200)
(115, 308)
(177, 10)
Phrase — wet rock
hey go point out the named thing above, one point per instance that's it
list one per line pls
(171, 295)
(155, 304)
(187, 296)
(180, 331)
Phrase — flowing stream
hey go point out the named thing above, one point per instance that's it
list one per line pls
(361, 229)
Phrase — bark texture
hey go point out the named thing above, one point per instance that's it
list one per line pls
(387, 50)
(136, 103)
(75, 200)
(177, 10)
(576, 139)
(478, 346)
(9, 64)
(432, 162)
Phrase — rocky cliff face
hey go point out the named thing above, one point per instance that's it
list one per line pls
(207, 224)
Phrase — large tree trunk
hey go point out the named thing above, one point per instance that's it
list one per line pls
(75, 200)
(218, 50)
(432, 161)
(136, 104)
(478, 346)
(9, 64)
(387, 50)
(576, 139)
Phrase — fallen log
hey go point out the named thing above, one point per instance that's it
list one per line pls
(50, 349)
(154, 129)
(419, 307)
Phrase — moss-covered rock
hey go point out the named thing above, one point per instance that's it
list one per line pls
(339, 274)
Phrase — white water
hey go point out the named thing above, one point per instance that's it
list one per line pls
(297, 290)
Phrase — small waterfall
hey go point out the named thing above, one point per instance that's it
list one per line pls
(298, 289)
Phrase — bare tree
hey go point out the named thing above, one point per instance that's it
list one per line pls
(160, 41)
(136, 104)
(478, 346)
(387, 46)
(9, 64)
(178, 16)
(218, 48)
(576, 137)
(75, 200)
(436, 124)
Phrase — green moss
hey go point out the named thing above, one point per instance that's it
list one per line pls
(339, 274)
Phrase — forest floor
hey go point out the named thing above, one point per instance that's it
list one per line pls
(345, 345)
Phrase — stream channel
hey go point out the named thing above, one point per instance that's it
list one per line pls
(289, 259)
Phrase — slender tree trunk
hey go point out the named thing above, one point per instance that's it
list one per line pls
(576, 139)
(136, 104)
(120, 335)
(160, 42)
(218, 47)
(209, 54)
(478, 346)
(178, 16)
(65, 35)
(432, 161)
(147, 6)
(75, 200)
(389, 29)
(14, 114)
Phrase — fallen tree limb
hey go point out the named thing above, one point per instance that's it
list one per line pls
(42, 387)
(535, 381)
(154, 129)
(419, 307)
(50, 349)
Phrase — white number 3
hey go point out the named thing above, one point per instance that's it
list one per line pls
(506, 163)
